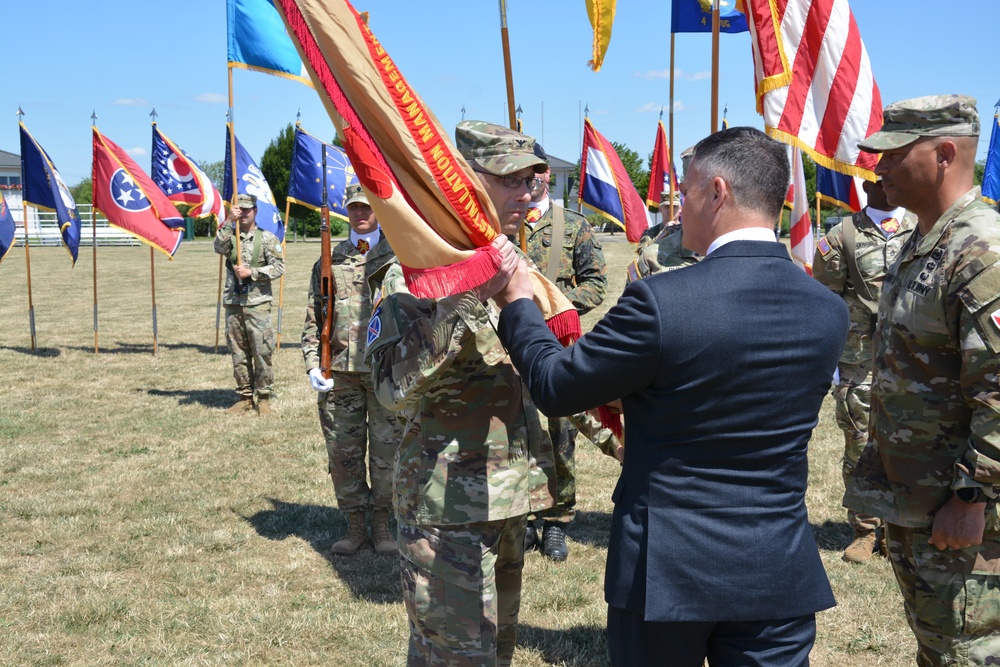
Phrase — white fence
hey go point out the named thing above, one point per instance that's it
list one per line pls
(44, 230)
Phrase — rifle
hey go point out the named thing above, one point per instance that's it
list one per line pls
(326, 281)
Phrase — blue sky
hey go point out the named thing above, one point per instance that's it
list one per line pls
(65, 59)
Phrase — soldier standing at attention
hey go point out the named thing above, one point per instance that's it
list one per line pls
(248, 303)
(932, 472)
(349, 413)
(474, 460)
(852, 260)
(563, 246)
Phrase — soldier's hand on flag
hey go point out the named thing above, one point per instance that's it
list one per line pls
(242, 271)
(508, 264)
(318, 382)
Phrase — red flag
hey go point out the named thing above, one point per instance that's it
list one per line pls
(800, 232)
(605, 185)
(814, 81)
(660, 169)
(127, 196)
(181, 179)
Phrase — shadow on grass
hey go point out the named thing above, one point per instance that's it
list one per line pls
(579, 646)
(593, 528)
(209, 398)
(369, 576)
(832, 535)
(37, 352)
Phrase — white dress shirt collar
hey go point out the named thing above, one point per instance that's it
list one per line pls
(744, 234)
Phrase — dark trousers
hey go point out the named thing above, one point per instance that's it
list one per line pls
(781, 643)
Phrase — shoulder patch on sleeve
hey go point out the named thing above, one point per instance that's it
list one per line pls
(981, 297)
(823, 246)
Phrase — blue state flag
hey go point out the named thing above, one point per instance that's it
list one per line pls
(305, 182)
(991, 176)
(258, 40)
(696, 16)
(251, 181)
(44, 188)
(6, 228)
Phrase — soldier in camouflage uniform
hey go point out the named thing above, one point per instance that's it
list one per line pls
(474, 459)
(666, 251)
(852, 260)
(349, 414)
(932, 471)
(575, 263)
(248, 299)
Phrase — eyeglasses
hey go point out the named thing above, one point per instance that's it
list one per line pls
(511, 181)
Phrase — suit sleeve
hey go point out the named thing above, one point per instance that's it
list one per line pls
(619, 357)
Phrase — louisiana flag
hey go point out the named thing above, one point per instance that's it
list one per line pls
(44, 188)
(661, 172)
(991, 176)
(251, 181)
(181, 179)
(258, 41)
(6, 228)
(305, 182)
(696, 16)
(840, 189)
(131, 201)
(605, 185)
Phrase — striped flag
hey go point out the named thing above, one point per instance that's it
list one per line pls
(840, 189)
(800, 230)
(181, 179)
(605, 185)
(814, 81)
(660, 169)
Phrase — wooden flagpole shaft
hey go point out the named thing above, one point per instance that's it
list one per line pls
(152, 291)
(93, 231)
(281, 280)
(27, 260)
(715, 65)
(511, 108)
(218, 304)
(670, 176)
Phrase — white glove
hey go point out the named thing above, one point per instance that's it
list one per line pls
(318, 382)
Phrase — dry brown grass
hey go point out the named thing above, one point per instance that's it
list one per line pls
(144, 526)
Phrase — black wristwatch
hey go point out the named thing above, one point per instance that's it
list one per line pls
(971, 495)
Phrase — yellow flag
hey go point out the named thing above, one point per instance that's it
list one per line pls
(602, 15)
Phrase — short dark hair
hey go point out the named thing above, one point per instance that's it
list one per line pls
(754, 165)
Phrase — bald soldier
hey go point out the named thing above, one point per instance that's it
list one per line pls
(932, 469)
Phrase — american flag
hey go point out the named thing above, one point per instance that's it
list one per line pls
(814, 80)
(181, 179)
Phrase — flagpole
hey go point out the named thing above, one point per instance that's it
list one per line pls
(281, 280)
(152, 268)
(93, 231)
(715, 65)
(670, 148)
(27, 247)
(511, 109)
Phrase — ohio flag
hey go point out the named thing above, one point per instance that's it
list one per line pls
(181, 179)
(605, 185)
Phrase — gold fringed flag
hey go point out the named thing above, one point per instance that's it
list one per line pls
(601, 14)
(434, 211)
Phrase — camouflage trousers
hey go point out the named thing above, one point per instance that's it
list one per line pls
(853, 395)
(353, 421)
(462, 591)
(951, 597)
(563, 434)
(251, 343)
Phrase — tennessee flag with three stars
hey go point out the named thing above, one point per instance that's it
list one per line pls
(131, 201)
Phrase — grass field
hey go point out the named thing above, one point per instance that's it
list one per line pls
(142, 525)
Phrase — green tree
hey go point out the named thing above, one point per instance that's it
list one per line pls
(633, 166)
(980, 171)
(216, 171)
(83, 192)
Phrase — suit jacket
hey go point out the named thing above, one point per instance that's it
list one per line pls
(721, 368)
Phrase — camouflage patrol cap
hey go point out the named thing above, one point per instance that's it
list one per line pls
(931, 116)
(246, 201)
(496, 149)
(665, 198)
(686, 156)
(355, 194)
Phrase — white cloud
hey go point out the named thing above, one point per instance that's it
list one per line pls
(650, 106)
(211, 98)
(130, 102)
(138, 151)
(679, 75)
(698, 76)
(679, 106)
(654, 74)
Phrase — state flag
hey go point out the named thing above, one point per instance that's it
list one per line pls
(6, 228)
(181, 179)
(305, 181)
(250, 181)
(44, 188)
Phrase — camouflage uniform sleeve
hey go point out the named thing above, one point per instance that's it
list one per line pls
(417, 340)
(829, 266)
(274, 265)
(224, 238)
(980, 350)
(310, 331)
(590, 270)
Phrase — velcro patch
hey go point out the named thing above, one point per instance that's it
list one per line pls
(375, 325)
(824, 247)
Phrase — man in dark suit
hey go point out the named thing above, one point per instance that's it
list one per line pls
(720, 368)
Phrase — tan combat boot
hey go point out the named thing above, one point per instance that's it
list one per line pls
(241, 406)
(264, 407)
(860, 550)
(356, 536)
(384, 542)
